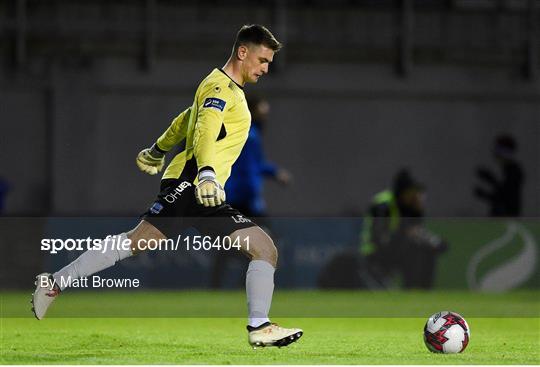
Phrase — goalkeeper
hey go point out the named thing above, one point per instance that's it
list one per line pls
(215, 128)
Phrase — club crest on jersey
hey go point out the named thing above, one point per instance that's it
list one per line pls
(216, 103)
(156, 208)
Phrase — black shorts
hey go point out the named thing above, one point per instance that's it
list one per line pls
(177, 210)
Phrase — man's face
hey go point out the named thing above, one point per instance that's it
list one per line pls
(414, 198)
(255, 61)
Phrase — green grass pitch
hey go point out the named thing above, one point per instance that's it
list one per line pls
(340, 328)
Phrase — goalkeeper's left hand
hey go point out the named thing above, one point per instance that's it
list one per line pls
(209, 192)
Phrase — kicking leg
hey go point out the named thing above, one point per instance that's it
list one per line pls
(48, 286)
(260, 249)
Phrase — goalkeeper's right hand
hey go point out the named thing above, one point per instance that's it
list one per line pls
(150, 160)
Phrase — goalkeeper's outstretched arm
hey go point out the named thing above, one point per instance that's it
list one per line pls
(175, 133)
(151, 160)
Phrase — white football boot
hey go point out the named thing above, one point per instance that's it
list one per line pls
(44, 295)
(272, 335)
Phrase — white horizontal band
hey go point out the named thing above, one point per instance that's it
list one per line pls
(207, 175)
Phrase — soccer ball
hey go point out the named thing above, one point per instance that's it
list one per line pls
(446, 332)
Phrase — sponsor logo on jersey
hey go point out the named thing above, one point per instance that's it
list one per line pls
(156, 208)
(177, 192)
(216, 103)
(239, 218)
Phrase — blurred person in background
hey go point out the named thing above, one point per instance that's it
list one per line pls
(395, 240)
(502, 192)
(244, 187)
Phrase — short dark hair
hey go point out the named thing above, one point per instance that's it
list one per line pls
(404, 181)
(258, 35)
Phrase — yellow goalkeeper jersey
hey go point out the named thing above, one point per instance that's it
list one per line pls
(215, 127)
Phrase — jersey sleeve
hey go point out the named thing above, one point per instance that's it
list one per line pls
(176, 132)
(213, 103)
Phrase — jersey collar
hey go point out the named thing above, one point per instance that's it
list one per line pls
(239, 86)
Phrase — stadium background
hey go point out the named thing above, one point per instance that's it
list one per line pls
(361, 89)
